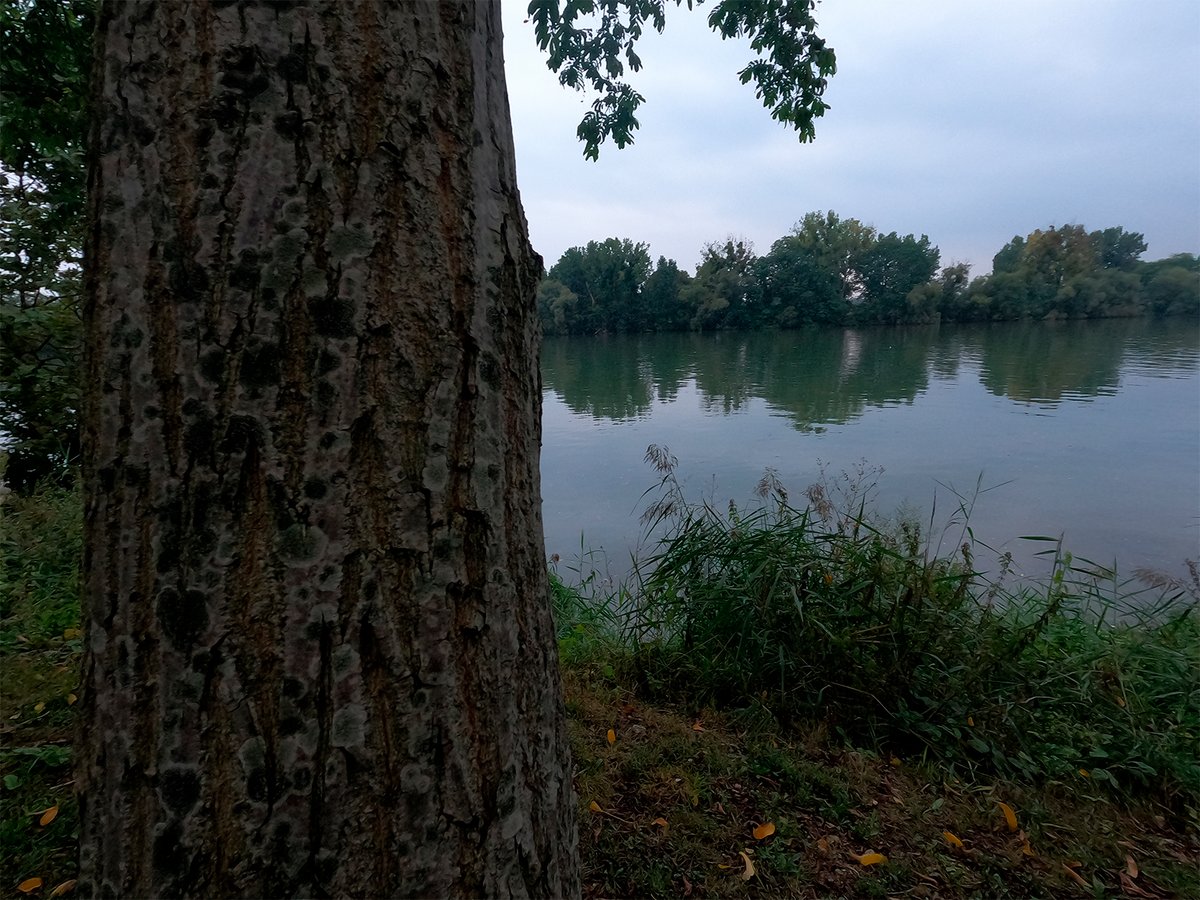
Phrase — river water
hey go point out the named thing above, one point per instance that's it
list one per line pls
(1088, 430)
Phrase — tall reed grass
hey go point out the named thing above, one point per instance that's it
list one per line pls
(824, 613)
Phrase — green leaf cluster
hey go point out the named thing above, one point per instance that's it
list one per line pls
(43, 99)
(589, 43)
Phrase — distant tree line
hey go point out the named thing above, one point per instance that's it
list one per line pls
(834, 271)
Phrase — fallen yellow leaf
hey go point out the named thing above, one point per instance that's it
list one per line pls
(65, 888)
(39, 706)
(1121, 702)
(595, 807)
(612, 737)
(952, 839)
(660, 822)
(1027, 850)
(895, 761)
(748, 872)
(29, 885)
(765, 830)
(1085, 773)
(48, 816)
(71, 634)
(871, 859)
(1010, 817)
(71, 699)
(971, 721)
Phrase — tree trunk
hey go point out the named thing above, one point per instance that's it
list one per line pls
(320, 659)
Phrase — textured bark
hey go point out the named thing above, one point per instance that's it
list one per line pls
(320, 659)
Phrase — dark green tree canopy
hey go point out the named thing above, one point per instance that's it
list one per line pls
(591, 43)
(43, 86)
(1118, 248)
(606, 280)
(830, 270)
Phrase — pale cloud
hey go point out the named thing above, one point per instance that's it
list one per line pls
(969, 122)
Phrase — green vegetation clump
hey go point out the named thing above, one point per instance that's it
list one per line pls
(825, 615)
(41, 545)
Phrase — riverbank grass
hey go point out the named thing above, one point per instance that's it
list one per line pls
(782, 702)
(843, 676)
(40, 548)
(700, 802)
(823, 613)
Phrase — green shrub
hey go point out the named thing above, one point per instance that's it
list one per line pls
(826, 614)
(41, 541)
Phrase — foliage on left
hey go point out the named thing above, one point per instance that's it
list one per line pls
(43, 85)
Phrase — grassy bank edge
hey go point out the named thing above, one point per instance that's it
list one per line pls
(711, 763)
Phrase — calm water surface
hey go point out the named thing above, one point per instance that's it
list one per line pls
(1086, 429)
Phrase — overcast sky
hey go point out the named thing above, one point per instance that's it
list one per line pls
(967, 120)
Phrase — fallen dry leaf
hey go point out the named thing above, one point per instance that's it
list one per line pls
(687, 887)
(29, 885)
(595, 807)
(696, 726)
(952, 840)
(612, 737)
(1133, 890)
(1010, 817)
(48, 816)
(823, 845)
(65, 888)
(765, 830)
(870, 859)
(748, 872)
(660, 822)
(39, 706)
(1131, 867)
(1079, 879)
(71, 699)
